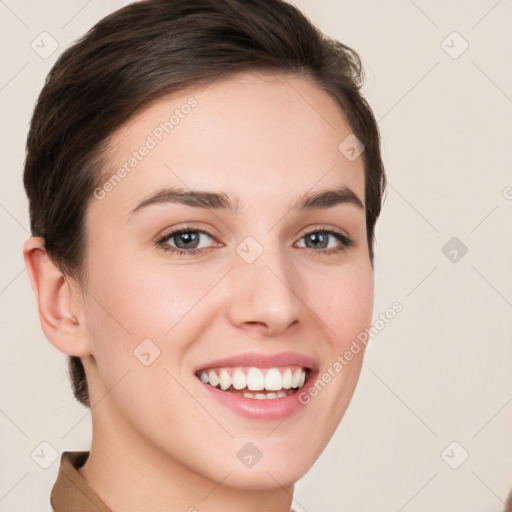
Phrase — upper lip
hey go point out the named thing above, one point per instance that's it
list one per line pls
(263, 360)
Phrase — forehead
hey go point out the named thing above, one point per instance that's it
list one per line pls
(254, 135)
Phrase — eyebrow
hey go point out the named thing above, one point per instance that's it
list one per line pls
(220, 201)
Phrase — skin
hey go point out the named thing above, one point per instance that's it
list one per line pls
(266, 140)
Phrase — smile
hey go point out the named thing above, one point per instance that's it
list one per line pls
(256, 383)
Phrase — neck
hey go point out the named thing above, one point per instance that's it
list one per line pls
(129, 473)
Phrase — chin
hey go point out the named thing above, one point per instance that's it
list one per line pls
(265, 478)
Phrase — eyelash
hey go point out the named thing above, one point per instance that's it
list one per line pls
(345, 241)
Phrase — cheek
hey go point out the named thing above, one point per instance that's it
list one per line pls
(345, 307)
(142, 301)
(344, 303)
(141, 307)
(142, 313)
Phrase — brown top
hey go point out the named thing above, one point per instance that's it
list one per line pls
(70, 492)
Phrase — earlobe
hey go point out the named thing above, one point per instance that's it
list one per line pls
(59, 304)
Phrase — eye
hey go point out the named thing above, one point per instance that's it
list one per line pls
(185, 241)
(188, 241)
(326, 241)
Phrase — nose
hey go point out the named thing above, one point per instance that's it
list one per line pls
(265, 294)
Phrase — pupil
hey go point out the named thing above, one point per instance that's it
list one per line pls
(317, 239)
(188, 237)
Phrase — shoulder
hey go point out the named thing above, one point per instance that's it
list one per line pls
(71, 491)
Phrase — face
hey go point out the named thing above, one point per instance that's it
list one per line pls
(219, 258)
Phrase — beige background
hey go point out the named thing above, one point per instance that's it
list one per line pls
(440, 371)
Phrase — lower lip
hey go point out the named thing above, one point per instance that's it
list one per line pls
(273, 408)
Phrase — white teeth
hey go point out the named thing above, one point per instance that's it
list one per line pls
(296, 378)
(225, 380)
(273, 380)
(255, 379)
(213, 378)
(239, 379)
(263, 396)
(287, 379)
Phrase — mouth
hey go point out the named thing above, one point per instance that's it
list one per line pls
(254, 382)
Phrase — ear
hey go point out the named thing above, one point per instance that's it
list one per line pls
(59, 300)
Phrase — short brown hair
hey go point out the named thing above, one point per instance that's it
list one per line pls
(151, 48)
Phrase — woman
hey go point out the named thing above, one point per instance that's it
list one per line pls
(204, 180)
